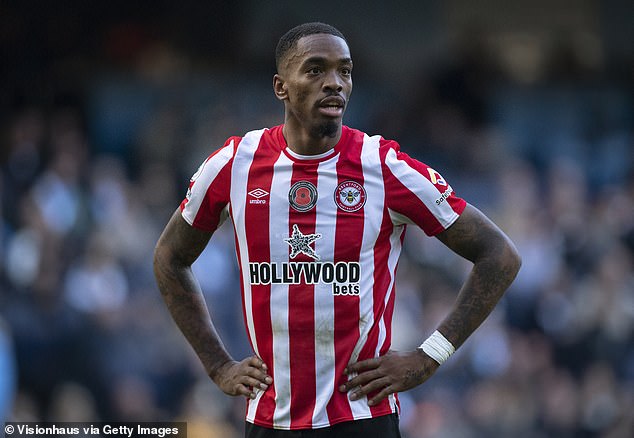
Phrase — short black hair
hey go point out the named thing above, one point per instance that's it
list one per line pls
(290, 38)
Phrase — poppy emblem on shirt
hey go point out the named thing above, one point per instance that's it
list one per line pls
(302, 196)
(350, 196)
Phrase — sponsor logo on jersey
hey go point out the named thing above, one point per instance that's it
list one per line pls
(256, 195)
(436, 178)
(300, 243)
(444, 195)
(302, 196)
(343, 276)
(350, 196)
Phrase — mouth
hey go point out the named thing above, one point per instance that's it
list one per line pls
(332, 106)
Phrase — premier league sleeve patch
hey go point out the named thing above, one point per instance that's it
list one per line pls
(350, 196)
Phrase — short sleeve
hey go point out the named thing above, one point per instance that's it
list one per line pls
(206, 204)
(418, 194)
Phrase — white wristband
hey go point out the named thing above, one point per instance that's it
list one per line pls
(438, 347)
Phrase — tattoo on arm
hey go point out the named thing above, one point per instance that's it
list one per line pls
(496, 263)
(178, 247)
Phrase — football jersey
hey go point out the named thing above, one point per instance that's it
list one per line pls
(317, 240)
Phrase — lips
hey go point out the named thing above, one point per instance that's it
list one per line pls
(332, 101)
(332, 106)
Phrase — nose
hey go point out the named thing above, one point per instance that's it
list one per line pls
(333, 82)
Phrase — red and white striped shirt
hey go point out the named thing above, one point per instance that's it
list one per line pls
(318, 240)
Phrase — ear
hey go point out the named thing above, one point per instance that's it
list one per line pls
(279, 87)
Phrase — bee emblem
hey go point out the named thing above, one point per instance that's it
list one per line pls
(350, 196)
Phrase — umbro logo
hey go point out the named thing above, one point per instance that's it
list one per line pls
(257, 195)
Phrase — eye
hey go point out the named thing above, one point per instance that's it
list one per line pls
(314, 70)
(346, 71)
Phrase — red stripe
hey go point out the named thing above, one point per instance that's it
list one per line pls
(384, 406)
(348, 241)
(257, 219)
(301, 315)
(382, 280)
(382, 273)
(389, 311)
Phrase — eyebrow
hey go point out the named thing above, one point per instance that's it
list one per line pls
(322, 60)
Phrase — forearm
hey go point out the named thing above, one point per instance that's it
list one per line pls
(495, 265)
(479, 295)
(185, 302)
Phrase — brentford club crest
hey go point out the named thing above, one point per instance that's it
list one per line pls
(302, 196)
(350, 196)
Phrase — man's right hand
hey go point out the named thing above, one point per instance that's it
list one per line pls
(242, 378)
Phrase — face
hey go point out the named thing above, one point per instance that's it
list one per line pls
(315, 82)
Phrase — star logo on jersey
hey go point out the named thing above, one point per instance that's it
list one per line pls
(300, 243)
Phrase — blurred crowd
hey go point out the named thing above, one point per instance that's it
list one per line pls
(89, 179)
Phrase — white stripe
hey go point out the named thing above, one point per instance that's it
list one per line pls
(422, 188)
(252, 405)
(239, 178)
(203, 178)
(395, 251)
(326, 220)
(279, 229)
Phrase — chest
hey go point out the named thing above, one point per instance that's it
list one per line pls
(308, 212)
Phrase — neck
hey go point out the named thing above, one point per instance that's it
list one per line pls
(314, 142)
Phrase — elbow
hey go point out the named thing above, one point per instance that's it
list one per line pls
(502, 259)
(161, 263)
(164, 274)
(168, 267)
(512, 260)
(514, 255)
(156, 259)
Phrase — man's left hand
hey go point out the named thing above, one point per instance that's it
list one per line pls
(394, 372)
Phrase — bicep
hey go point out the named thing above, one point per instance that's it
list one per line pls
(180, 242)
(474, 235)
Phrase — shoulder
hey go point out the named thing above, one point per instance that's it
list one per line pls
(249, 141)
(233, 147)
(254, 136)
(370, 141)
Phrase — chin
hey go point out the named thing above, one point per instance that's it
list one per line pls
(327, 129)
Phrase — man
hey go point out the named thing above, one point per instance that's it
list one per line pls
(319, 211)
